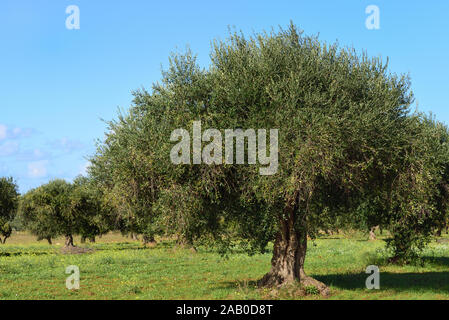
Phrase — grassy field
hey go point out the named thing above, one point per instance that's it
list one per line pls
(120, 268)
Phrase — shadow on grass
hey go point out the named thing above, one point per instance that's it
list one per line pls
(437, 261)
(118, 248)
(434, 281)
(24, 253)
(428, 281)
(431, 280)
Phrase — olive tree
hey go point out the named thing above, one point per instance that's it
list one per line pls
(8, 206)
(122, 172)
(343, 127)
(46, 211)
(89, 209)
(418, 200)
(59, 208)
(342, 121)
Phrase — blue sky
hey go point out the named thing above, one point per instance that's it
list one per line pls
(57, 84)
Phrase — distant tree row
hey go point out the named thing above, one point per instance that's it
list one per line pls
(55, 209)
(59, 208)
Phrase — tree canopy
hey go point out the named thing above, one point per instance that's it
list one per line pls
(59, 208)
(8, 206)
(350, 150)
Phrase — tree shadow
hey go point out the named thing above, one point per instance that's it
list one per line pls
(435, 281)
(22, 253)
(437, 261)
(119, 246)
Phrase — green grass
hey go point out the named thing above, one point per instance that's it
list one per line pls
(123, 269)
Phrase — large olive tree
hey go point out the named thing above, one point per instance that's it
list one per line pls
(343, 123)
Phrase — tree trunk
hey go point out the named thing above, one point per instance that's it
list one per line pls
(372, 235)
(83, 239)
(184, 243)
(289, 253)
(148, 239)
(69, 241)
(49, 241)
(92, 239)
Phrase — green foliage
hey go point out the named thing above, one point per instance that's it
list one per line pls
(351, 153)
(8, 206)
(419, 198)
(60, 208)
(311, 290)
(45, 210)
(125, 176)
(91, 212)
(339, 116)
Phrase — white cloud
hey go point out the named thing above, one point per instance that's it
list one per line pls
(9, 148)
(3, 131)
(18, 133)
(37, 169)
(15, 133)
(38, 153)
(32, 155)
(67, 145)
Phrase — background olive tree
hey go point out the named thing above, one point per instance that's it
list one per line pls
(418, 201)
(59, 208)
(8, 207)
(91, 212)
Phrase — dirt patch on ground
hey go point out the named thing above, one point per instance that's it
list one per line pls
(76, 250)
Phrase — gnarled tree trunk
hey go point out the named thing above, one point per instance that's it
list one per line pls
(69, 241)
(184, 243)
(134, 236)
(372, 235)
(289, 254)
(4, 239)
(149, 240)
